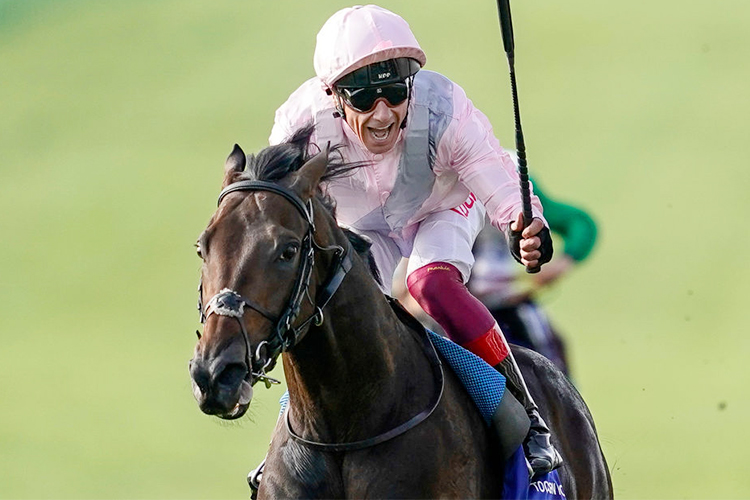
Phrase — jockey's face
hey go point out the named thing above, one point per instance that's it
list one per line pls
(377, 128)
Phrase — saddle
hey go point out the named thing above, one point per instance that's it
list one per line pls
(502, 412)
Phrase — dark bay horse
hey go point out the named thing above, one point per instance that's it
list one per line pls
(371, 414)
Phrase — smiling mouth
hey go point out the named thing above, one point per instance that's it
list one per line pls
(380, 134)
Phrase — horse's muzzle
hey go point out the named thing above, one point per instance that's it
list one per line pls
(221, 389)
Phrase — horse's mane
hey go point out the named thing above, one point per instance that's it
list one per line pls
(276, 162)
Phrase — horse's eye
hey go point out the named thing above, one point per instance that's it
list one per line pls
(198, 250)
(289, 252)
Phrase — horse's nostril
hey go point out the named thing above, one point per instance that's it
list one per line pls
(201, 377)
(232, 375)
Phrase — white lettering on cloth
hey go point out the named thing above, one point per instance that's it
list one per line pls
(548, 487)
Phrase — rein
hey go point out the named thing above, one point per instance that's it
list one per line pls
(231, 304)
(437, 368)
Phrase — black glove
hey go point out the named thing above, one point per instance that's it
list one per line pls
(514, 243)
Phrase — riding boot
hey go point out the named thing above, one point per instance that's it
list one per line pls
(541, 454)
(253, 479)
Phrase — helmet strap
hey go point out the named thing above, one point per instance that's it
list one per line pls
(338, 105)
(408, 102)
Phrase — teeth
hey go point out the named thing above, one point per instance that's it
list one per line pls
(380, 133)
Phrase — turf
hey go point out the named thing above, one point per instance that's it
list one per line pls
(116, 117)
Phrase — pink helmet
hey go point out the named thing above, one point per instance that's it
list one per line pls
(361, 35)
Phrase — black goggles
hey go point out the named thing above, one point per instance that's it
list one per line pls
(363, 99)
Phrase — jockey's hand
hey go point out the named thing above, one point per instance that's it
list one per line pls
(532, 247)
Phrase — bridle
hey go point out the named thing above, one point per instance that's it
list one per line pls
(285, 334)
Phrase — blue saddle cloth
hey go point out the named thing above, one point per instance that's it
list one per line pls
(486, 386)
(518, 486)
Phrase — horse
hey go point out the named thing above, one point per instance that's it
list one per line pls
(371, 412)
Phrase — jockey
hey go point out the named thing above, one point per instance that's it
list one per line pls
(430, 159)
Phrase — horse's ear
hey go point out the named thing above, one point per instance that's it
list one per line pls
(235, 164)
(307, 178)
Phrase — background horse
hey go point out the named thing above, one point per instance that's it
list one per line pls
(280, 275)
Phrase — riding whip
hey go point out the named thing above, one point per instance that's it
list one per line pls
(506, 28)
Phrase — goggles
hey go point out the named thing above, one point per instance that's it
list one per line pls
(363, 99)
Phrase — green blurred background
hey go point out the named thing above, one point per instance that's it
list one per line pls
(116, 118)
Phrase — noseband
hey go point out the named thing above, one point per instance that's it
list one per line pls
(231, 304)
